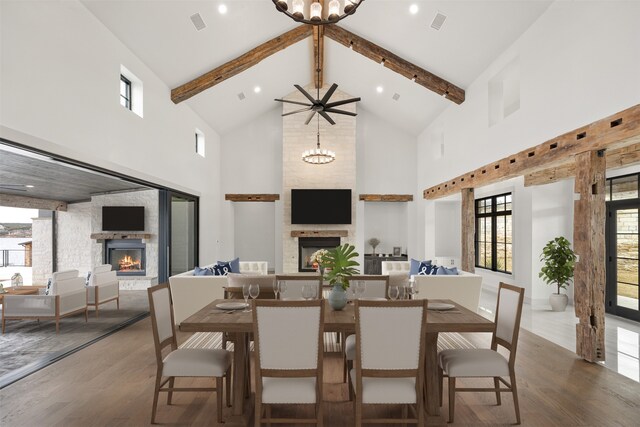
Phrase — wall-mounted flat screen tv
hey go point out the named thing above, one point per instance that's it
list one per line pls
(320, 206)
(123, 218)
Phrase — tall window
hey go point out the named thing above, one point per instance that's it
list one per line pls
(125, 92)
(493, 233)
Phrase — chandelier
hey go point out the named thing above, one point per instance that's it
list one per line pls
(318, 156)
(310, 11)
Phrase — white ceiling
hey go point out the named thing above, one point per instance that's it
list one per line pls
(161, 34)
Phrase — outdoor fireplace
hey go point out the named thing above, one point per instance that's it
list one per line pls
(308, 245)
(128, 257)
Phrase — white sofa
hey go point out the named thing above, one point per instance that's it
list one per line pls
(191, 293)
(103, 287)
(403, 267)
(463, 288)
(67, 296)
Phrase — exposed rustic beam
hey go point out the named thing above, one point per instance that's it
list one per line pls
(589, 244)
(240, 64)
(319, 233)
(252, 197)
(386, 197)
(15, 201)
(616, 131)
(625, 156)
(318, 55)
(468, 230)
(395, 63)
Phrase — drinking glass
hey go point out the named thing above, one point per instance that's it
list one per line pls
(393, 292)
(360, 288)
(282, 287)
(307, 292)
(413, 289)
(276, 287)
(245, 294)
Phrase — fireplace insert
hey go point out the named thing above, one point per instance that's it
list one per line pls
(308, 245)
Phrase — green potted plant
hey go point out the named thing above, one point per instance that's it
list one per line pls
(339, 264)
(559, 261)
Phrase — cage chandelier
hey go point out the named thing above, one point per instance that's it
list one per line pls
(310, 11)
(319, 156)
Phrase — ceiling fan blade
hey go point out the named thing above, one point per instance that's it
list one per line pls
(12, 188)
(313, 113)
(326, 116)
(296, 111)
(333, 110)
(305, 93)
(327, 95)
(345, 101)
(293, 102)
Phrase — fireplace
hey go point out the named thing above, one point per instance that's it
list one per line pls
(308, 245)
(128, 257)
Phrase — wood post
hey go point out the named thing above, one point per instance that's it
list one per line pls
(589, 245)
(468, 230)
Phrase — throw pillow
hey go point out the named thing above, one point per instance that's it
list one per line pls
(434, 270)
(424, 269)
(221, 270)
(48, 289)
(234, 264)
(415, 266)
(444, 271)
(86, 280)
(202, 271)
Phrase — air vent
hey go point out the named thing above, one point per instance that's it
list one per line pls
(241, 96)
(198, 22)
(437, 22)
(396, 96)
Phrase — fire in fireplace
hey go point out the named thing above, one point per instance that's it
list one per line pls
(126, 256)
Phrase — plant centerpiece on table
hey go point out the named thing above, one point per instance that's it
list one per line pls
(374, 242)
(340, 265)
(317, 259)
(559, 261)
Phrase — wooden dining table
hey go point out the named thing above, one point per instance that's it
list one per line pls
(239, 324)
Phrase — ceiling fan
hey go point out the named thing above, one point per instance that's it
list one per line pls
(320, 106)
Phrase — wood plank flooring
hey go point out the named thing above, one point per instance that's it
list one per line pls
(111, 384)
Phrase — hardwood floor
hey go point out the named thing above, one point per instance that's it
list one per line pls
(111, 384)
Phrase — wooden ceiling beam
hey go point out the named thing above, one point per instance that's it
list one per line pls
(318, 56)
(25, 202)
(613, 132)
(386, 197)
(395, 63)
(617, 158)
(240, 64)
(252, 197)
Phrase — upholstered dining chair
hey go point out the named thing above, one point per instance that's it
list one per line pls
(296, 282)
(389, 366)
(375, 286)
(477, 362)
(182, 362)
(288, 362)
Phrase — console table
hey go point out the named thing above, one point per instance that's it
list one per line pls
(373, 263)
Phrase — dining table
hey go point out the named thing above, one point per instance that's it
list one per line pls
(238, 325)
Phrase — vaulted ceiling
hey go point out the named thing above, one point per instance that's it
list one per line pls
(162, 35)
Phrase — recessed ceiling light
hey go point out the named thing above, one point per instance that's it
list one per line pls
(413, 9)
(222, 9)
(379, 89)
(257, 89)
(29, 186)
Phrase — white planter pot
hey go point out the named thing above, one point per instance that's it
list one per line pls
(558, 302)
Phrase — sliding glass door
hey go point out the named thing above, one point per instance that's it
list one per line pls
(179, 231)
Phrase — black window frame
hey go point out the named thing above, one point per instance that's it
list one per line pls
(494, 215)
(127, 95)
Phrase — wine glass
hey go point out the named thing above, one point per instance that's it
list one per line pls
(360, 288)
(276, 287)
(307, 292)
(413, 289)
(254, 291)
(282, 288)
(245, 294)
(393, 292)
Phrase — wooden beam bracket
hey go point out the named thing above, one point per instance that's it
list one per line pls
(252, 197)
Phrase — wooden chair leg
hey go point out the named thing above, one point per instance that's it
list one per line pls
(514, 390)
(3, 325)
(405, 414)
(496, 383)
(170, 393)
(228, 381)
(86, 314)
(97, 310)
(258, 412)
(57, 325)
(350, 384)
(219, 392)
(452, 397)
(320, 413)
(345, 370)
(357, 403)
(155, 400)
(268, 414)
(118, 303)
(440, 383)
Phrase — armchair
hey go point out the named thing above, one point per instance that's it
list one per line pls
(103, 287)
(67, 297)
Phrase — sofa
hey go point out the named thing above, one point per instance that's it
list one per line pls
(402, 267)
(463, 288)
(191, 293)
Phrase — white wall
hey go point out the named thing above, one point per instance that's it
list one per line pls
(255, 235)
(578, 63)
(60, 71)
(387, 221)
(448, 230)
(73, 244)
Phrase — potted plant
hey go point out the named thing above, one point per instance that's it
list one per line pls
(374, 241)
(340, 265)
(559, 260)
